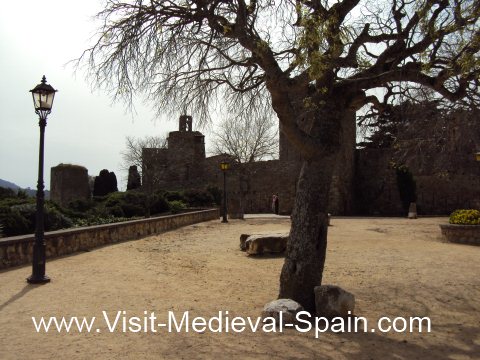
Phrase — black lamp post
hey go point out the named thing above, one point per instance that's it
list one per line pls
(224, 166)
(43, 95)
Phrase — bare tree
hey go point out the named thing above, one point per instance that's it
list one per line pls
(247, 140)
(132, 155)
(313, 62)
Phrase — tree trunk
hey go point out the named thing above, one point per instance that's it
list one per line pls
(306, 248)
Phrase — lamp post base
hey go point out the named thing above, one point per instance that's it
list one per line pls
(38, 279)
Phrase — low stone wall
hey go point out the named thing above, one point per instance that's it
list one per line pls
(17, 250)
(463, 234)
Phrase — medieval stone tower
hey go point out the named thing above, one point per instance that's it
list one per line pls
(69, 182)
(181, 165)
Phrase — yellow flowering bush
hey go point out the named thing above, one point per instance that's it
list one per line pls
(465, 217)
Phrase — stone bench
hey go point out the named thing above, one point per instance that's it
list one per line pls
(257, 244)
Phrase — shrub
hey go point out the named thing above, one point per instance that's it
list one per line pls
(174, 195)
(216, 194)
(176, 206)
(131, 210)
(81, 205)
(465, 217)
(115, 211)
(55, 220)
(21, 219)
(158, 204)
(22, 194)
(15, 224)
(92, 221)
(9, 202)
(6, 193)
(199, 198)
(129, 204)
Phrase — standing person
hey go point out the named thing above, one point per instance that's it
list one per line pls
(276, 204)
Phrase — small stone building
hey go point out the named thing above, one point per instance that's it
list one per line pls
(68, 183)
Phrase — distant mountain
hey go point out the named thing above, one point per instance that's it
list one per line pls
(30, 192)
(8, 185)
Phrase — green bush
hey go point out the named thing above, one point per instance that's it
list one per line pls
(216, 194)
(9, 202)
(199, 198)
(174, 195)
(14, 223)
(176, 206)
(6, 193)
(133, 210)
(129, 204)
(92, 221)
(21, 219)
(134, 203)
(158, 204)
(81, 205)
(55, 220)
(115, 211)
(465, 217)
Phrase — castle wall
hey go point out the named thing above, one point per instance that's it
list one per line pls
(341, 200)
(363, 182)
(251, 186)
(376, 190)
(375, 185)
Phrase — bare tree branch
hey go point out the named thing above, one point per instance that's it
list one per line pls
(247, 141)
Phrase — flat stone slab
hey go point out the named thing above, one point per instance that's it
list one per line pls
(258, 244)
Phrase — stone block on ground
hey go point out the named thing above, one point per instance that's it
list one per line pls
(288, 307)
(243, 239)
(266, 243)
(332, 301)
(412, 211)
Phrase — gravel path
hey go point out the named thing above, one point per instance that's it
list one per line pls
(395, 267)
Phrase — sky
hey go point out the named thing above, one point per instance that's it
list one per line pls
(85, 128)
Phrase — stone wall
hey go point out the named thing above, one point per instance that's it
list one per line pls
(363, 182)
(250, 186)
(375, 187)
(376, 190)
(462, 234)
(69, 182)
(341, 199)
(17, 250)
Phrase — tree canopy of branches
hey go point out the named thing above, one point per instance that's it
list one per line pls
(426, 136)
(132, 155)
(245, 140)
(311, 61)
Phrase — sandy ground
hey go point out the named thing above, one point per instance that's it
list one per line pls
(395, 267)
